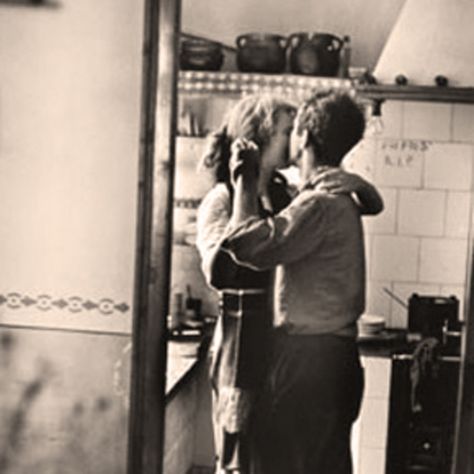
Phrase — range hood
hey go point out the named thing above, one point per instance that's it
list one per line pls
(430, 38)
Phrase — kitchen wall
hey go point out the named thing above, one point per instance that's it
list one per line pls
(368, 22)
(422, 163)
(191, 185)
(69, 136)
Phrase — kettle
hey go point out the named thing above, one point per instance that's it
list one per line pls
(314, 54)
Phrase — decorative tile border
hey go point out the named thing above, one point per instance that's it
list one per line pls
(73, 304)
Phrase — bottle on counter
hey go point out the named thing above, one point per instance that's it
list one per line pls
(345, 57)
(192, 305)
(177, 311)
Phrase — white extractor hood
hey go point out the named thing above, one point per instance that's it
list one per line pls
(430, 38)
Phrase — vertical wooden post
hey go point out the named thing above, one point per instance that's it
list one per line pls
(463, 459)
(153, 257)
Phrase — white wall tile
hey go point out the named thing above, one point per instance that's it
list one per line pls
(443, 261)
(392, 117)
(374, 423)
(377, 377)
(428, 121)
(459, 292)
(377, 301)
(372, 461)
(385, 222)
(399, 163)
(448, 166)
(421, 212)
(395, 258)
(463, 123)
(399, 314)
(458, 213)
(361, 159)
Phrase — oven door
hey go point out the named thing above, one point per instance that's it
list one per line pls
(422, 417)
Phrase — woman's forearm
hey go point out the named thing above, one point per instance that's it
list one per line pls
(369, 198)
(245, 201)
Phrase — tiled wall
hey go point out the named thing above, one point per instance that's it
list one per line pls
(422, 163)
(369, 433)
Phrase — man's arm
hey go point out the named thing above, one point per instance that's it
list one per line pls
(293, 233)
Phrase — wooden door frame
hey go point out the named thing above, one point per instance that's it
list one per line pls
(154, 236)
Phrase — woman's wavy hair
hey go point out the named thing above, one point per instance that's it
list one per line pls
(335, 123)
(254, 117)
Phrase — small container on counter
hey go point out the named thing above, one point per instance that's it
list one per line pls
(177, 315)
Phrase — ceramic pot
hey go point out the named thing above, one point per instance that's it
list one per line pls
(314, 54)
(201, 55)
(261, 52)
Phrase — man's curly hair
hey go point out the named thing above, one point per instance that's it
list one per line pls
(335, 123)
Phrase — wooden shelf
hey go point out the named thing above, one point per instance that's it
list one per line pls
(417, 93)
(237, 83)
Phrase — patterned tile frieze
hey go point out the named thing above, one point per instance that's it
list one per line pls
(72, 304)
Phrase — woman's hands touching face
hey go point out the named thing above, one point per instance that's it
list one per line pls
(244, 160)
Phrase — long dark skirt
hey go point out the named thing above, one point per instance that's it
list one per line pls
(313, 396)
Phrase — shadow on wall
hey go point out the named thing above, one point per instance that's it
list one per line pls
(16, 417)
(52, 419)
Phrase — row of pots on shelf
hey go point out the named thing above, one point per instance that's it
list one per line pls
(316, 54)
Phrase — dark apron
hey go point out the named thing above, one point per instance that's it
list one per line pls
(238, 368)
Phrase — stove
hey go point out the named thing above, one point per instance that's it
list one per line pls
(424, 387)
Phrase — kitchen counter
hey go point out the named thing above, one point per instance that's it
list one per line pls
(184, 354)
(390, 342)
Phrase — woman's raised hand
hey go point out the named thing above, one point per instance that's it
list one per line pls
(336, 181)
(244, 160)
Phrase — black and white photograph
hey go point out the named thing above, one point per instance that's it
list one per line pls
(236, 237)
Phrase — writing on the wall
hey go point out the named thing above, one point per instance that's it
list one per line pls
(403, 153)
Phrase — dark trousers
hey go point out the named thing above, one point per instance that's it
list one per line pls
(312, 396)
